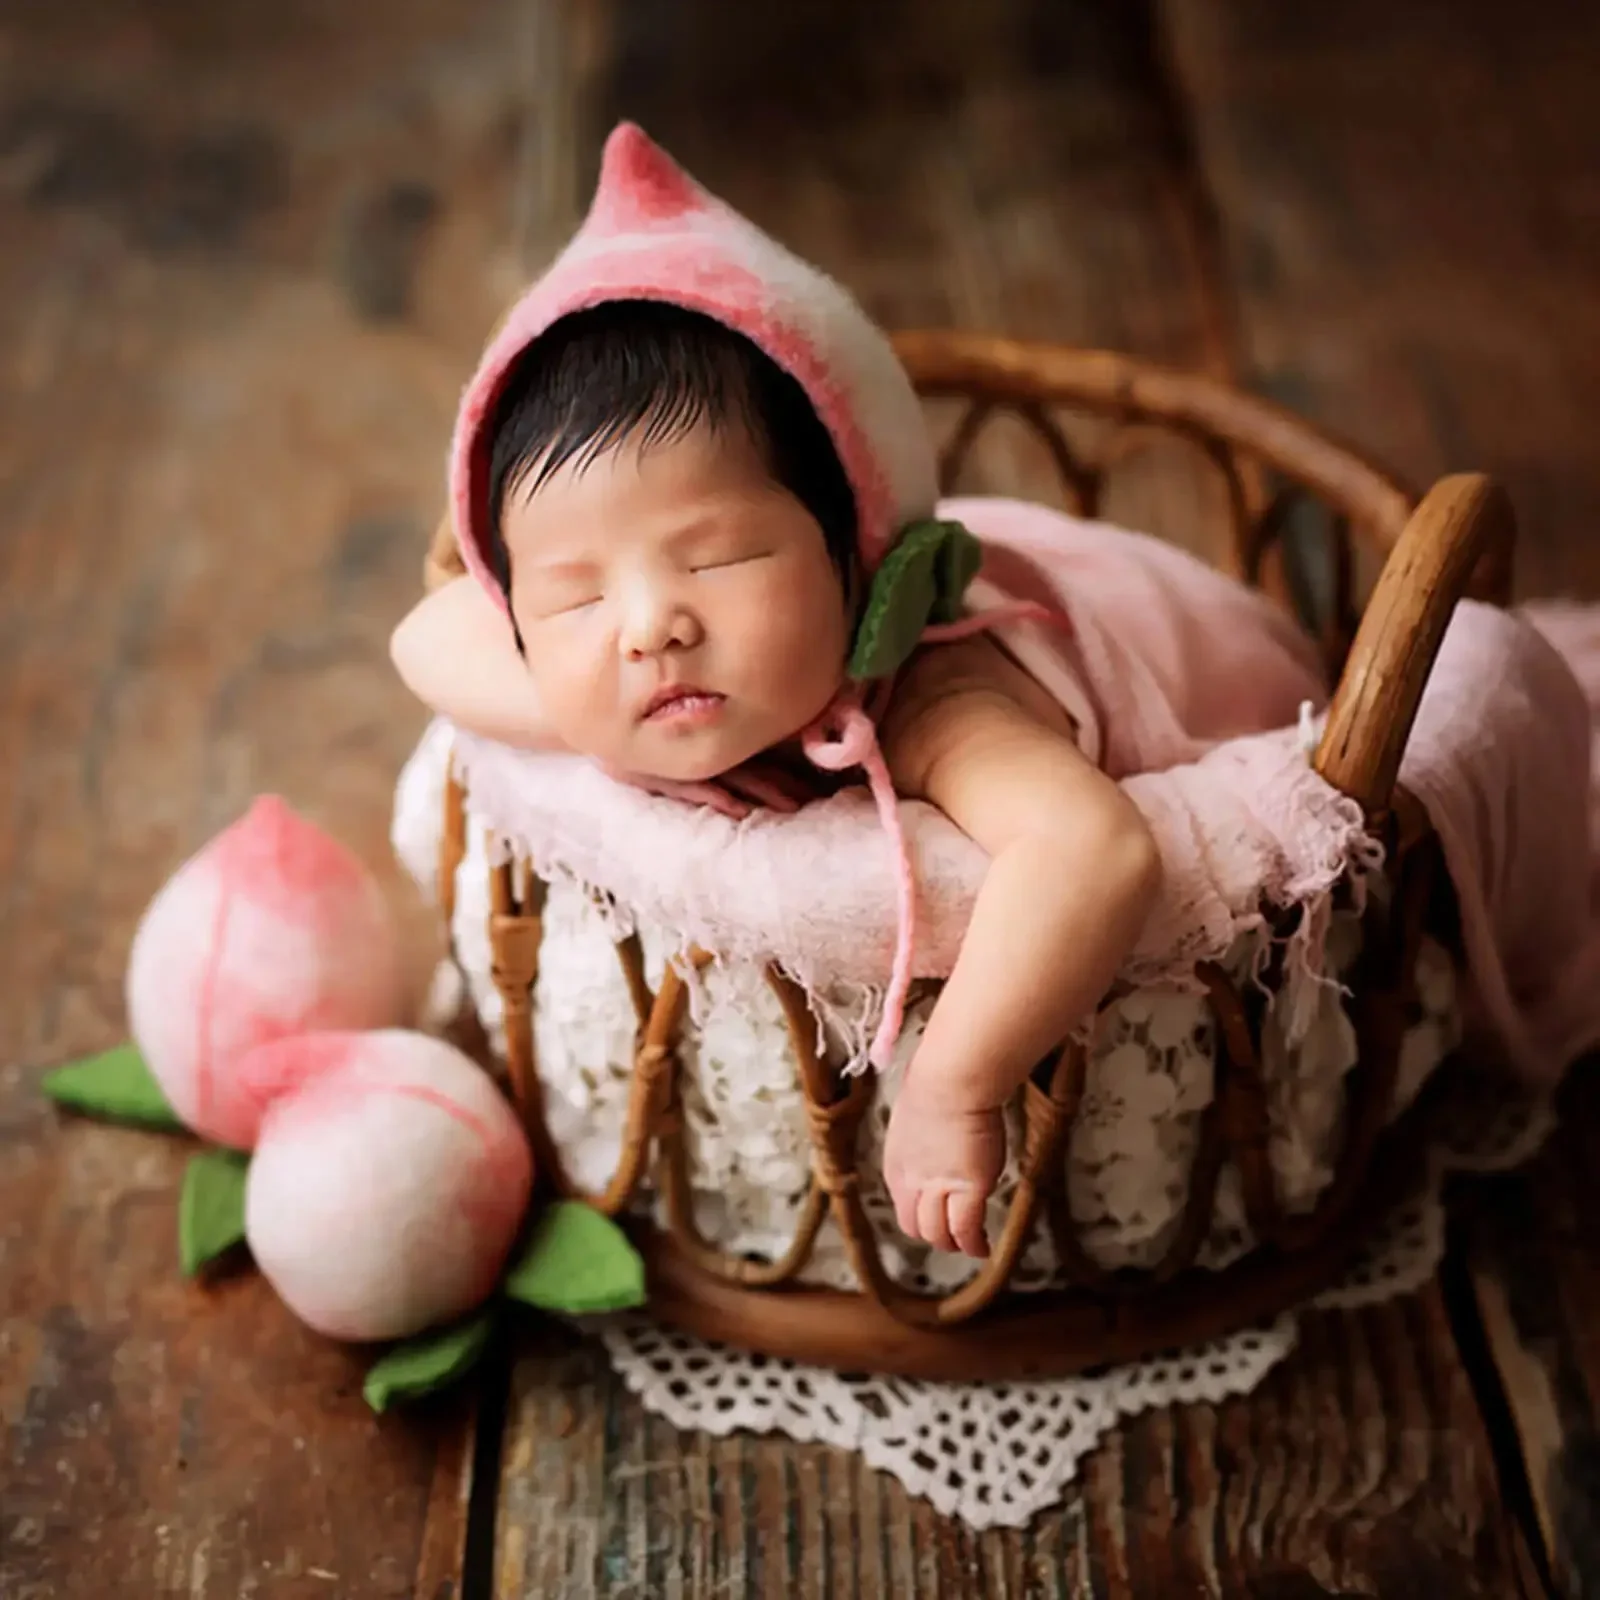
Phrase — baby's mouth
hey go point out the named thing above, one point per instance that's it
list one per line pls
(683, 703)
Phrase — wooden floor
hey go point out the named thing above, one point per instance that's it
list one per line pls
(247, 254)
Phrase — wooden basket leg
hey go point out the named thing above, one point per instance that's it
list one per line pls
(516, 927)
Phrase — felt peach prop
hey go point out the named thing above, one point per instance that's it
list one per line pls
(389, 1180)
(273, 929)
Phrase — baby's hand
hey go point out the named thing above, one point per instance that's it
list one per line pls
(735, 794)
(941, 1162)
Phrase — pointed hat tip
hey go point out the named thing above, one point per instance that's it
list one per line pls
(640, 182)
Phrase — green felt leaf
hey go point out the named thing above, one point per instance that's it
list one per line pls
(921, 581)
(577, 1261)
(211, 1207)
(429, 1362)
(115, 1085)
(957, 564)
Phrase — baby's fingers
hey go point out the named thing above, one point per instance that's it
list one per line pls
(713, 795)
(764, 788)
(725, 801)
(933, 1225)
(966, 1213)
(905, 1206)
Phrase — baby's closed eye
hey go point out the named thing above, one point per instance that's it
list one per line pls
(717, 561)
(556, 588)
(547, 606)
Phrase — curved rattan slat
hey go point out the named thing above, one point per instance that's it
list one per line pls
(452, 845)
(954, 455)
(516, 927)
(630, 955)
(653, 1092)
(1082, 482)
(983, 367)
(678, 1199)
(1383, 994)
(677, 1189)
(1241, 1097)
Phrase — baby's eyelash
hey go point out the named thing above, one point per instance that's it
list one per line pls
(730, 561)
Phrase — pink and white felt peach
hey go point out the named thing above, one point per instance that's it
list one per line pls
(273, 929)
(389, 1180)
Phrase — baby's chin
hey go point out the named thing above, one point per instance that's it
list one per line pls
(693, 758)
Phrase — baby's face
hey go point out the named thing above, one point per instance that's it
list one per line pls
(679, 609)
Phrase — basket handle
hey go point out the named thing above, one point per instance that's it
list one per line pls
(1459, 540)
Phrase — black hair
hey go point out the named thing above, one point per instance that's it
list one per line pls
(646, 369)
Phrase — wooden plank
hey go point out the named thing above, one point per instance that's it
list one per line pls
(1405, 202)
(1359, 1468)
(247, 258)
(1529, 1255)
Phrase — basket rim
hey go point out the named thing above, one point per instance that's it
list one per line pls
(953, 362)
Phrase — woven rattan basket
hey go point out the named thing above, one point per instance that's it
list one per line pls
(1457, 542)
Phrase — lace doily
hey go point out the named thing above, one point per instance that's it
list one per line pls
(995, 1455)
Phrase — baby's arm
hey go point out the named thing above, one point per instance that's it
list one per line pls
(1074, 873)
(456, 653)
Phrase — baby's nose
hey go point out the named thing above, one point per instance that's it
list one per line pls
(655, 622)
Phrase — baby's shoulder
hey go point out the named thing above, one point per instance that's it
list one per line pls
(947, 691)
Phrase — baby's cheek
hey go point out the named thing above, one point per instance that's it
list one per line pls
(574, 699)
(794, 642)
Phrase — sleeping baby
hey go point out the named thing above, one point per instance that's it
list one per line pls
(697, 504)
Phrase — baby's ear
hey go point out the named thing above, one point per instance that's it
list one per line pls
(455, 651)
(443, 561)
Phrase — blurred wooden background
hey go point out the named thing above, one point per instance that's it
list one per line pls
(247, 257)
